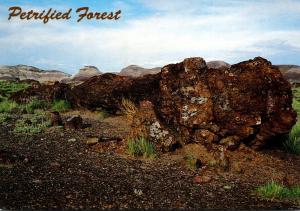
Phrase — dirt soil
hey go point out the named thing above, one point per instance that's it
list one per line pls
(59, 170)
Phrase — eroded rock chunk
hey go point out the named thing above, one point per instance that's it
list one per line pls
(74, 122)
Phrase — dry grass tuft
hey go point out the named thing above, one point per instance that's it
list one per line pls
(129, 109)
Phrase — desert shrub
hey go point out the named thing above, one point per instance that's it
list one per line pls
(128, 108)
(7, 106)
(32, 123)
(292, 141)
(61, 106)
(141, 147)
(4, 117)
(10, 87)
(191, 162)
(274, 190)
(35, 104)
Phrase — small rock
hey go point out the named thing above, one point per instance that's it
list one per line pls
(74, 122)
(138, 192)
(92, 141)
(55, 119)
(227, 187)
(55, 164)
(201, 179)
(72, 140)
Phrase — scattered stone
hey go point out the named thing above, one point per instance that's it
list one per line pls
(201, 179)
(92, 141)
(55, 164)
(138, 192)
(72, 140)
(74, 122)
(227, 187)
(55, 119)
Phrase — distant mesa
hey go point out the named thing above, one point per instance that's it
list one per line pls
(24, 72)
(137, 71)
(85, 73)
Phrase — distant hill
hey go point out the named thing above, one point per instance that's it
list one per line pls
(85, 73)
(290, 72)
(217, 64)
(137, 71)
(24, 72)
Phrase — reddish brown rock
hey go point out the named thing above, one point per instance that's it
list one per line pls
(145, 123)
(47, 92)
(250, 100)
(55, 119)
(107, 90)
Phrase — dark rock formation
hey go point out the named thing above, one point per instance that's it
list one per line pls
(188, 102)
(55, 119)
(251, 101)
(106, 91)
(47, 92)
(74, 122)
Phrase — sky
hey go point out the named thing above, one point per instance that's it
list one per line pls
(152, 33)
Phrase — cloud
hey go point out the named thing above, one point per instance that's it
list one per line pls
(172, 31)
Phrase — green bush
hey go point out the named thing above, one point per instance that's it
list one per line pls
(32, 123)
(35, 104)
(273, 190)
(9, 87)
(61, 106)
(292, 142)
(7, 106)
(141, 147)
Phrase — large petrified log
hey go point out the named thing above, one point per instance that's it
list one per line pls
(249, 102)
(107, 90)
(187, 102)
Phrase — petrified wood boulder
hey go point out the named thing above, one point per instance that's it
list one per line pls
(249, 102)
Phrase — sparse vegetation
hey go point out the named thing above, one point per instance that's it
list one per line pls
(10, 87)
(128, 108)
(61, 106)
(32, 123)
(273, 190)
(7, 106)
(35, 104)
(191, 162)
(4, 117)
(292, 142)
(141, 147)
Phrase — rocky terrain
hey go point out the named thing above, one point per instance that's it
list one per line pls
(194, 135)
